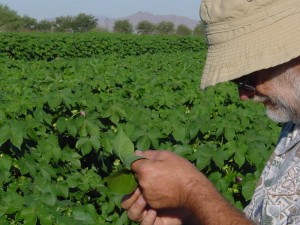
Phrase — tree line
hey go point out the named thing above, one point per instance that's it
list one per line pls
(164, 27)
(11, 21)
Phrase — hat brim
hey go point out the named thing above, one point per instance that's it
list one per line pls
(261, 49)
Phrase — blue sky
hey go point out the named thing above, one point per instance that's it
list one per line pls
(42, 9)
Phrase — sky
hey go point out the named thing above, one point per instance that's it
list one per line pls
(45, 9)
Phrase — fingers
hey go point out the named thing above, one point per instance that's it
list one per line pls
(149, 218)
(136, 207)
(137, 211)
(128, 200)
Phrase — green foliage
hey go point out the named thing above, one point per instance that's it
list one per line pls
(59, 123)
(199, 30)
(9, 19)
(80, 23)
(145, 27)
(123, 26)
(165, 27)
(28, 23)
(84, 23)
(44, 25)
(45, 46)
(63, 23)
(183, 30)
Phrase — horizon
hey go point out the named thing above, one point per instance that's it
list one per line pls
(114, 9)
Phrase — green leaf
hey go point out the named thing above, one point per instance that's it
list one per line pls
(229, 133)
(5, 162)
(12, 202)
(61, 124)
(83, 215)
(54, 100)
(92, 128)
(44, 216)
(16, 136)
(219, 158)
(204, 156)
(239, 155)
(4, 134)
(84, 145)
(28, 165)
(248, 185)
(71, 127)
(94, 140)
(29, 215)
(56, 151)
(49, 198)
(121, 182)
(143, 142)
(124, 149)
(5, 165)
(179, 133)
(82, 128)
(62, 189)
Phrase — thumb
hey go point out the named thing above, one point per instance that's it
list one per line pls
(135, 166)
(148, 156)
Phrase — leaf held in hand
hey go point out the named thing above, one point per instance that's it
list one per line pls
(121, 182)
(124, 149)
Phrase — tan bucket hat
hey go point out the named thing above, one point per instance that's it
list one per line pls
(244, 36)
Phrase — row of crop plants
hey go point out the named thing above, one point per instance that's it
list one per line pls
(59, 119)
(50, 46)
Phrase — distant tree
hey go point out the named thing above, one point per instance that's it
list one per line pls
(183, 30)
(44, 25)
(84, 23)
(199, 29)
(145, 27)
(9, 19)
(64, 23)
(165, 27)
(28, 23)
(123, 26)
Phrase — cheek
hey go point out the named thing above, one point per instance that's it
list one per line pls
(297, 70)
(266, 88)
(270, 85)
(277, 91)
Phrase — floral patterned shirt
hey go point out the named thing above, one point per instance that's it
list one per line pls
(276, 200)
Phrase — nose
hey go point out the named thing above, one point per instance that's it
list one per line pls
(246, 94)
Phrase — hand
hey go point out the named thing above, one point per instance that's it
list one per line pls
(137, 210)
(165, 179)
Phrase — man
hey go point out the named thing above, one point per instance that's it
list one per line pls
(256, 44)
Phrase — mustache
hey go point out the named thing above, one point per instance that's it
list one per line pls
(270, 101)
(264, 99)
(275, 102)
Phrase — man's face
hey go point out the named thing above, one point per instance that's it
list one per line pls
(278, 89)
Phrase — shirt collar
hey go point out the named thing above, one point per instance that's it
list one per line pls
(289, 137)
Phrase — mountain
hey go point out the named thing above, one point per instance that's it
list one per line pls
(134, 19)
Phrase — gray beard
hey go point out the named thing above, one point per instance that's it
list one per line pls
(279, 110)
